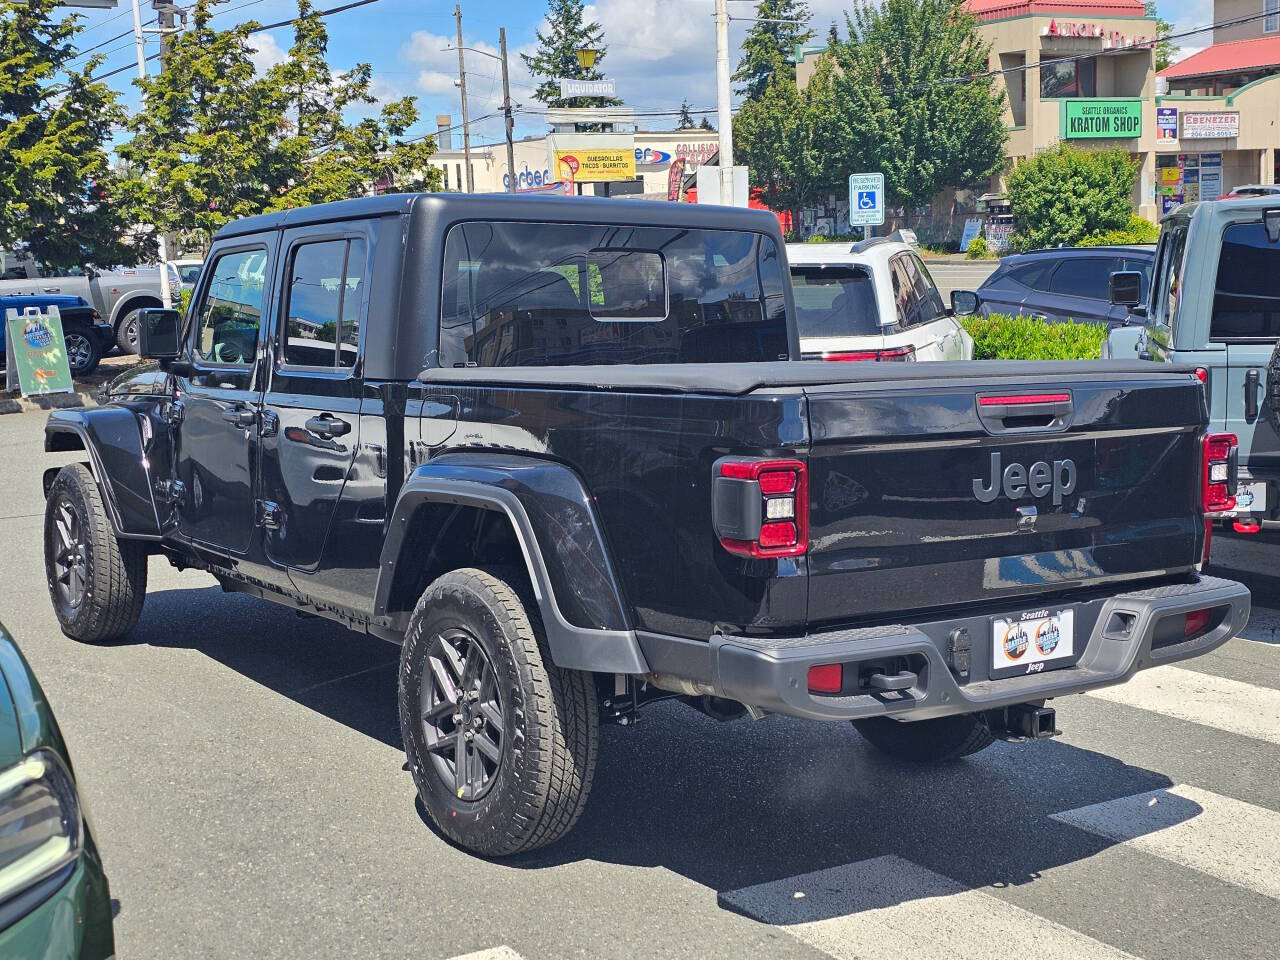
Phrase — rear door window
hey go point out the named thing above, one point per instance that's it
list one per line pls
(538, 294)
(835, 301)
(1034, 275)
(1140, 265)
(322, 309)
(905, 299)
(1246, 295)
(929, 305)
(1084, 277)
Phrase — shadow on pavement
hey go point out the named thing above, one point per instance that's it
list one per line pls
(726, 805)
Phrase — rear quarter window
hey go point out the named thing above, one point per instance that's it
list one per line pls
(1246, 293)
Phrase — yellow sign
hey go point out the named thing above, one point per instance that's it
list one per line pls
(595, 164)
(1170, 175)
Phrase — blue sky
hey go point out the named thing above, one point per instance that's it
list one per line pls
(660, 51)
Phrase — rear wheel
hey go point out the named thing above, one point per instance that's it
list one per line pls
(97, 583)
(127, 333)
(501, 742)
(928, 741)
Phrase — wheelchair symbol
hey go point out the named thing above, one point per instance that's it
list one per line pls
(866, 199)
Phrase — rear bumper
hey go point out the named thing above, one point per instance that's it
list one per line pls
(1125, 633)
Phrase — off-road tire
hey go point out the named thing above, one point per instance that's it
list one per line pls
(1272, 398)
(550, 725)
(928, 741)
(115, 572)
(123, 341)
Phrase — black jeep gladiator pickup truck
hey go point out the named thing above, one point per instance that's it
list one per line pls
(564, 453)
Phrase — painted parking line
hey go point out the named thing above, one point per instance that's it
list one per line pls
(1234, 841)
(1227, 705)
(891, 906)
(493, 953)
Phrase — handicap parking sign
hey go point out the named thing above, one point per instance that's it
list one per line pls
(866, 199)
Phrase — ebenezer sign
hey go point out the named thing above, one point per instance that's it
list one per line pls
(1084, 119)
(1210, 126)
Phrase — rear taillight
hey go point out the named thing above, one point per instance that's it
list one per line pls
(760, 508)
(1218, 473)
(890, 355)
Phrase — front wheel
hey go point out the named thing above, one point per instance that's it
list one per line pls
(97, 583)
(928, 741)
(83, 353)
(501, 742)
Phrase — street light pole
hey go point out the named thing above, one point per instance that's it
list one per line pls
(462, 87)
(508, 121)
(722, 102)
(162, 248)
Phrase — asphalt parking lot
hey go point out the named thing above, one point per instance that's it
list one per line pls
(244, 775)
(960, 275)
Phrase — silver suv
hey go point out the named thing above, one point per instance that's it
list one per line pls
(116, 294)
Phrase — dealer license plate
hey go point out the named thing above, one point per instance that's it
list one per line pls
(1031, 642)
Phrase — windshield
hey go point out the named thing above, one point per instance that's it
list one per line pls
(836, 301)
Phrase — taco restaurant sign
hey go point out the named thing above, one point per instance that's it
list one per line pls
(1084, 119)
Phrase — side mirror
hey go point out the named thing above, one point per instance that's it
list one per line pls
(159, 334)
(1126, 288)
(965, 303)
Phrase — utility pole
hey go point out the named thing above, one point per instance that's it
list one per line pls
(508, 122)
(462, 86)
(722, 102)
(162, 248)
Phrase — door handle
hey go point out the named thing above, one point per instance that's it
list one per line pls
(52, 289)
(1251, 380)
(327, 426)
(240, 415)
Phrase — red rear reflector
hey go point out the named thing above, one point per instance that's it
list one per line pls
(777, 481)
(1022, 399)
(826, 678)
(891, 355)
(1202, 374)
(780, 533)
(1197, 621)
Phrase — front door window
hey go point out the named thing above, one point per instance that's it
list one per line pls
(230, 314)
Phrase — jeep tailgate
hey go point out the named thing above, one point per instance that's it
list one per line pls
(935, 493)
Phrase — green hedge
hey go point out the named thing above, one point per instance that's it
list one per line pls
(1138, 230)
(1001, 337)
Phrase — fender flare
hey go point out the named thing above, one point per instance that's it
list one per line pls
(113, 440)
(583, 614)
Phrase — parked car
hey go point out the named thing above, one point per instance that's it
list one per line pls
(117, 294)
(86, 334)
(54, 896)
(873, 300)
(565, 469)
(1253, 190)
(188, 271)
(1214, 303)
(1062, 283)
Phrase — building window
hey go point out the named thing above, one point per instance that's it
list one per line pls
(1271, 22)
(457, 169)
(445, 167)
(1071, 78)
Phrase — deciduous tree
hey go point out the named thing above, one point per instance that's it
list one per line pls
(916, 98)
(1166, 49)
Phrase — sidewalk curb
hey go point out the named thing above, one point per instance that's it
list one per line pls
(47, 401)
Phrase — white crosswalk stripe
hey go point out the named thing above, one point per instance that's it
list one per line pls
(891, 906)
(1234, 841)
(1229, 705)
(493, 953)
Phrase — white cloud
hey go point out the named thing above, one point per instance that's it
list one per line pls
(433, 81)
(265, 52)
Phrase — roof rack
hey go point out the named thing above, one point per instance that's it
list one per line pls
(862, 246)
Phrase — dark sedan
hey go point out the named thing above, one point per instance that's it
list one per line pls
(1064, 283)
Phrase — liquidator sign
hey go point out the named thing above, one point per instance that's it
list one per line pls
(1089, 119)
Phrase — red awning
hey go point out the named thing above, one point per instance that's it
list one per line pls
(998, 9)
(1239, 56)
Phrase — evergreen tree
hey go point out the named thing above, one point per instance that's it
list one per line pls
(215, 141)
(1166, 49)
(705, 123)
(915, 98)
(57, 195)
(557, 55)
(770, 44)
(686, 119)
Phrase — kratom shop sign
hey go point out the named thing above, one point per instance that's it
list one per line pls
(1092, 118)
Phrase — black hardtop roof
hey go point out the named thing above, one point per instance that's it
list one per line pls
(505, 206)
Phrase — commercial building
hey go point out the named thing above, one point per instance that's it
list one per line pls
(605, 164)
(1218, 111)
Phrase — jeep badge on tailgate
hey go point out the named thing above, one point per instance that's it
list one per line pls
(1016, 480)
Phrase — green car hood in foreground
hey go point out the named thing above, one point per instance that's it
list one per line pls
(67, 916)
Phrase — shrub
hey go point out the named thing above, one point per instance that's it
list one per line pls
(1000, 337)
(1138, 230)
(184, 300)
(834, 238)
(978, 249)
(1063, 195)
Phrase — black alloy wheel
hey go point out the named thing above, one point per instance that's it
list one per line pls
(462, 714)
(82, 353)
(70, 554)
